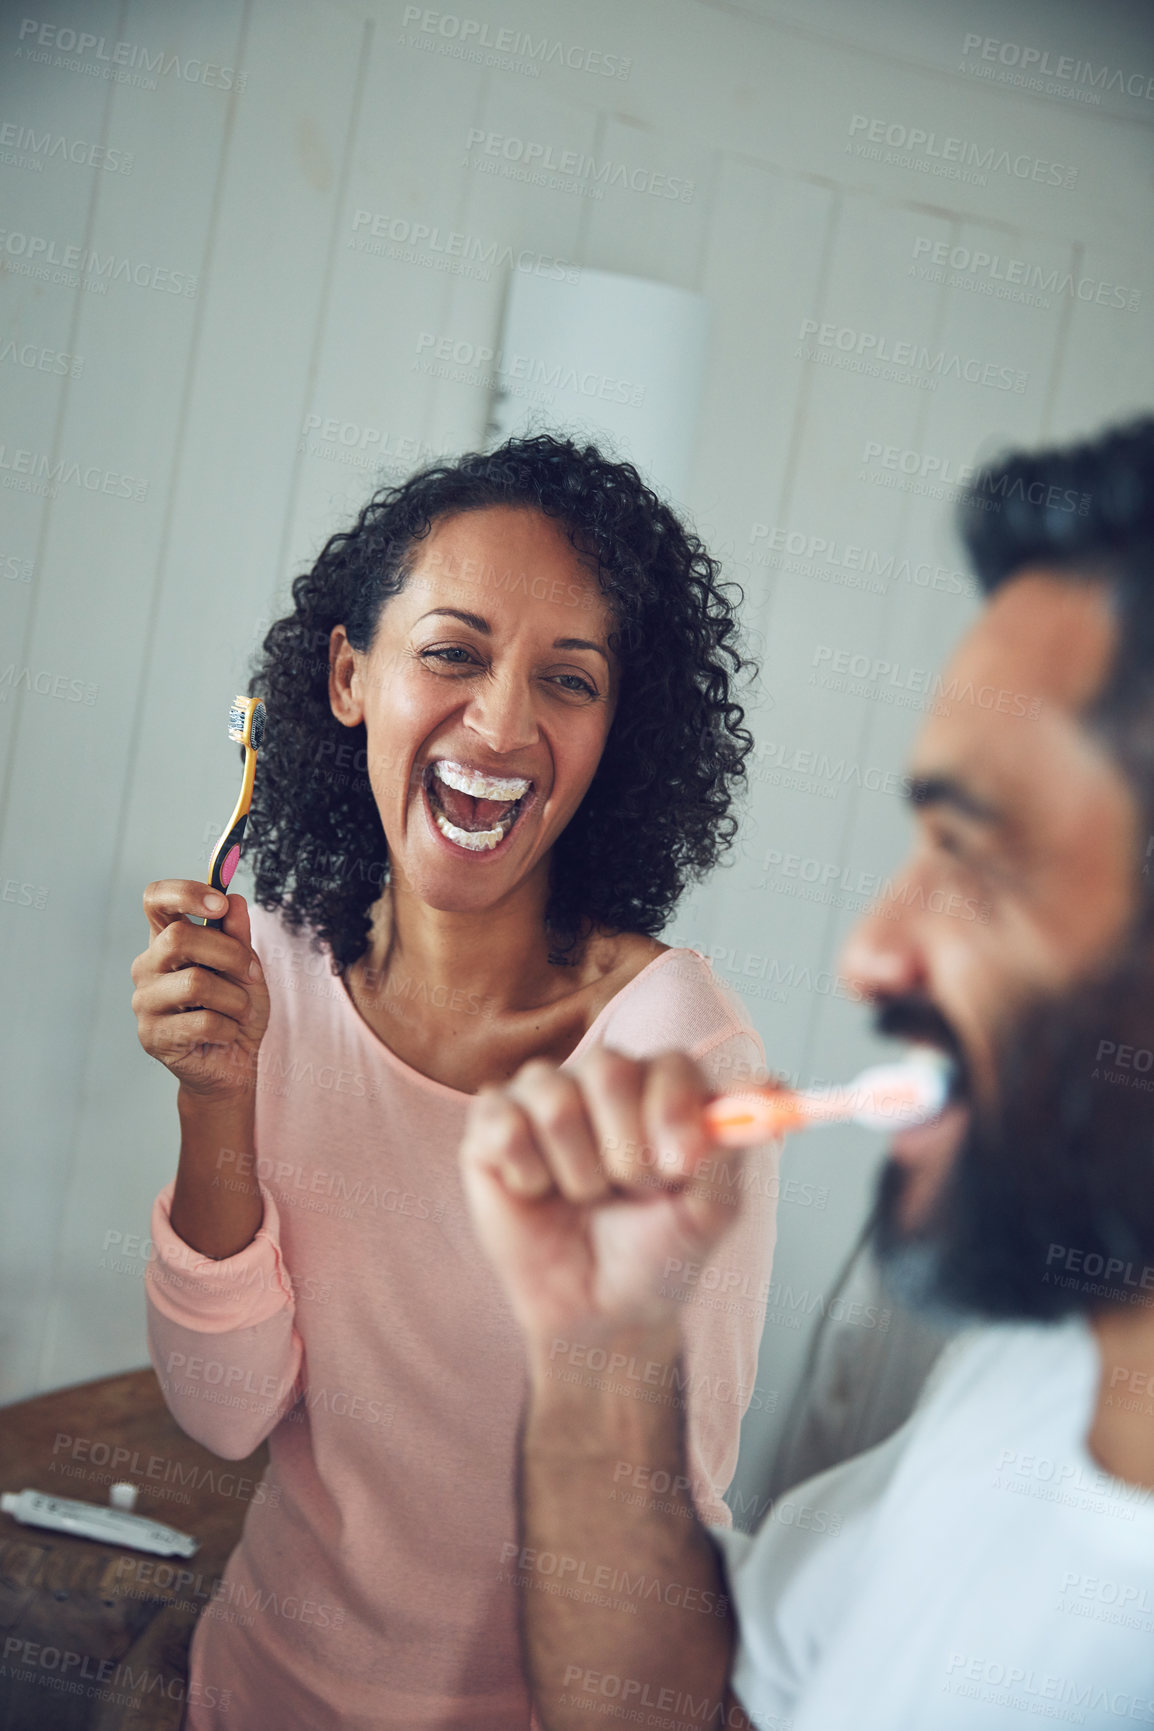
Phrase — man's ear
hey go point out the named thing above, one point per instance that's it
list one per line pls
(344, 679)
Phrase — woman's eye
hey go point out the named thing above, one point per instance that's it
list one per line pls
(574, 682)
(458, 655)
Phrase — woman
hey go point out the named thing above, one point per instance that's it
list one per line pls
(500, 740)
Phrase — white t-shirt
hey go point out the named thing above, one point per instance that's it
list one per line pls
(978, 1569)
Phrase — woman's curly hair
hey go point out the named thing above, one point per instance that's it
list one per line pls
(657, 812)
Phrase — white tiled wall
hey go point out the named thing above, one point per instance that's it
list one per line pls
(255, 138)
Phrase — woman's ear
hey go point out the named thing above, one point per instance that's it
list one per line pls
(344, 681)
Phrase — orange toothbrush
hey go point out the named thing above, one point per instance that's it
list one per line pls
(884, 1097)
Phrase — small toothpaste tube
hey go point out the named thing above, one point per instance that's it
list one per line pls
(93, 1521)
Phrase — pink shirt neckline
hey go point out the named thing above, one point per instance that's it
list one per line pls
(349, 1009)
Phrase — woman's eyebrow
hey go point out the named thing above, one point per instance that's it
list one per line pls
(473, 619)
(580, 643)
(482, 625)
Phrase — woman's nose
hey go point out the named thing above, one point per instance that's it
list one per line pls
(501, 713)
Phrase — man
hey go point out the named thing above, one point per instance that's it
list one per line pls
(995, 1557)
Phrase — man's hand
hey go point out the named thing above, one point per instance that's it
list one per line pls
(584, 1186)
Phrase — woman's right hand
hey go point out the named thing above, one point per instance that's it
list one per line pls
(201, 1002)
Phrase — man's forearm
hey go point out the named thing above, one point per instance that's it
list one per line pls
(623, 1591)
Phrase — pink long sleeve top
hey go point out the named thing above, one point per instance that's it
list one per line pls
(364, 1334)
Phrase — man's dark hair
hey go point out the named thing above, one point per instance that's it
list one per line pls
(1087, 510)
(658, 811)
(1084, 506)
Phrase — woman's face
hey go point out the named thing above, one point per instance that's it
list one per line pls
(487, 696)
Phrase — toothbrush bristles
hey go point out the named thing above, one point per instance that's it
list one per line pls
(236, 720)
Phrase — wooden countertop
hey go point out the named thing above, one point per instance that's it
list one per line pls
(94, 1637)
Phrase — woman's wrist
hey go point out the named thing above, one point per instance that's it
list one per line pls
(217, 1206)
(209, 1114)
(192, 1097)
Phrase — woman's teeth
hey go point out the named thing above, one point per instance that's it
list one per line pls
(507, 790)
(476, 840)
(479, 786)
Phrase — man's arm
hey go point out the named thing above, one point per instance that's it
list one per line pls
(623, 1591)
(582, 1191)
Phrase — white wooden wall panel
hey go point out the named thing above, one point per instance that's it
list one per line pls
(209, 570)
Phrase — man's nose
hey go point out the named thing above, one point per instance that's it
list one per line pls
(882, 956)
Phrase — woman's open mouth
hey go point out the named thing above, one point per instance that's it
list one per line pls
(474, 810)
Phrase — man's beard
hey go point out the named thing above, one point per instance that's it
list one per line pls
(1048, 1208)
